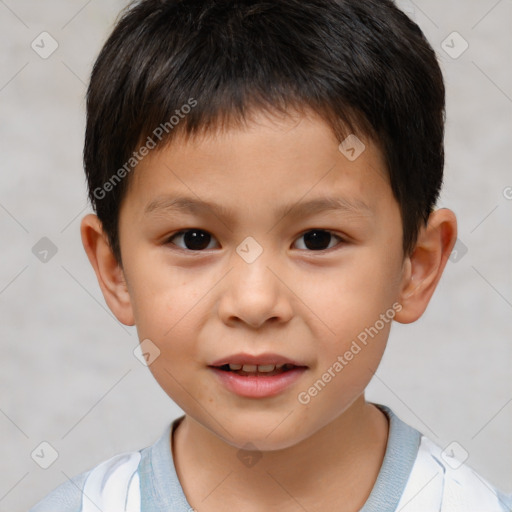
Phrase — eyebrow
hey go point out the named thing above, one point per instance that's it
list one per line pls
(183, 204)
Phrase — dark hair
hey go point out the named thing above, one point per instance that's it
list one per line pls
(362, 65)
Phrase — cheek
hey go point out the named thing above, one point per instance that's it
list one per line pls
(345, 369)
(162, 297)
(169, 310)
(355, 296)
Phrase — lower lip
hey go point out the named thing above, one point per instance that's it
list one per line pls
(258, 386)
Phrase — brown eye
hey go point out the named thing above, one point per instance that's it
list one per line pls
(318, 239)
(193, 239)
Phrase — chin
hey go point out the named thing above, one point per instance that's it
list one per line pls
(259, 442)
(262, 435)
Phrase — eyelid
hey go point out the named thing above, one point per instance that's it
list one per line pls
(167, 240)
(331, 231)
(342, 240)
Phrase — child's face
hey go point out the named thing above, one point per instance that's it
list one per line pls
(202, 299)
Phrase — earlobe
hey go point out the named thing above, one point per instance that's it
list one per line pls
(424, 267)
(108, 271)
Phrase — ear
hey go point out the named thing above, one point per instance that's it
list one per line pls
(109, 273)
(424, 267)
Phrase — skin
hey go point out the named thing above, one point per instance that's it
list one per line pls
(305, 304)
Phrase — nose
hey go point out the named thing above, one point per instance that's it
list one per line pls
(255, 293)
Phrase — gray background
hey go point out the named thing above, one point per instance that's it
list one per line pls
(68, 374)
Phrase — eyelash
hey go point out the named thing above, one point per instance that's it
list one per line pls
(182, 232)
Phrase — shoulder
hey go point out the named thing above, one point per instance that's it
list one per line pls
(111, 485)
(417, 475)
(440, 480)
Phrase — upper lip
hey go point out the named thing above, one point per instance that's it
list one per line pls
(260, 359)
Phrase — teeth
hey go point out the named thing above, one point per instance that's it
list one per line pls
(252, 368)
(266, 367)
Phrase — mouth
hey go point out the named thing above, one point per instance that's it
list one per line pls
(257, 375)
(257, 370)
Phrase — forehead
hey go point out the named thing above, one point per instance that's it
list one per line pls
(272, 161)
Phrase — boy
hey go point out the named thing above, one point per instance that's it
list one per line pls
(224, 139)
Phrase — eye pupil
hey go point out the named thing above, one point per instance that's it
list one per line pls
(196, 239)
(317, 239)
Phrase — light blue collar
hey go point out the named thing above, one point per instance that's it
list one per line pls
(161, 488)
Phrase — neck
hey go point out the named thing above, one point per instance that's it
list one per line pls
(335, 467)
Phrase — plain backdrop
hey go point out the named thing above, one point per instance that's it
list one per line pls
(68, 374)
